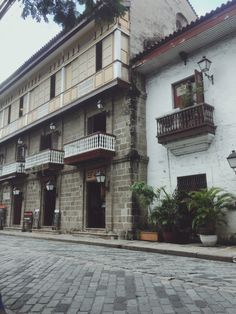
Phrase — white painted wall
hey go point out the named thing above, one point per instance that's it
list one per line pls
(164, 167)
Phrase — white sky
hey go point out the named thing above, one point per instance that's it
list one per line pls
(20, 39)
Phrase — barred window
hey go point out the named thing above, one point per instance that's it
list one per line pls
(192, 183)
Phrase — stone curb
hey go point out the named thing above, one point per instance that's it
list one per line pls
(127, 246)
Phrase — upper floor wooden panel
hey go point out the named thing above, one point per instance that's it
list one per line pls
(81, 69)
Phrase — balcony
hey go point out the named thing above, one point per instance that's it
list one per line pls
(94, 146)
(49, 159)
(15, 169)
(188, 130)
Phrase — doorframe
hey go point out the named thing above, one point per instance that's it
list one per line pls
(89, 176)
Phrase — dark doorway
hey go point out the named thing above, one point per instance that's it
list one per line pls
(49, 207)
(97, 123)
(95, 205)
(17, 204)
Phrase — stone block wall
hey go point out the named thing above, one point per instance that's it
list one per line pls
(71, 200)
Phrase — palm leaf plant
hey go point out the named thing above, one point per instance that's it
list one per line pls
(144, 196)
(165, 213)
(210, 207)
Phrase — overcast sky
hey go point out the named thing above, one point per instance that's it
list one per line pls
(22, 38)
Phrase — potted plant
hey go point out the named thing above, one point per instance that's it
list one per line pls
(145, 195)
(165, 213)
(210, 207)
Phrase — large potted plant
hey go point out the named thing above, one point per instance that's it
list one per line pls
(145, 196)
(165, 213)
(210, 207)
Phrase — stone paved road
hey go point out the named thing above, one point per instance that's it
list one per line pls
(37, 276)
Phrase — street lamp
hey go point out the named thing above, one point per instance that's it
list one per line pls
(232, 160)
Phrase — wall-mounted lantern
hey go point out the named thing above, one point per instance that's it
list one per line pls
(19, 141)
(49, 186)
(204, 65)
(53, 129)
(100, 176)
(232, 160)
(101, 107)
(16, 191)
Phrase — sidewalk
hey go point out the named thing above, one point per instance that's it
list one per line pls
(218, 253)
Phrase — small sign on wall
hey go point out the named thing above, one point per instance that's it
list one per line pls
(6, 196)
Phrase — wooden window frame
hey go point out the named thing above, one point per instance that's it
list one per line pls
(191, 97)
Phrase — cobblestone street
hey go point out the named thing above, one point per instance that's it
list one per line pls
(38, 276)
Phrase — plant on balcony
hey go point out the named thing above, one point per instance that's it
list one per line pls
(189, 98)
(210, 207)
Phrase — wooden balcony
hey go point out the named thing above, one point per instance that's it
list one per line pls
(12, 170)
(47, 159)
(187, 127)
(94, 146)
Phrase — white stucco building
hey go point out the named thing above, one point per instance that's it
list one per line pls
(190, 116)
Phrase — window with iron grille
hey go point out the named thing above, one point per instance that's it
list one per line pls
(192, 183)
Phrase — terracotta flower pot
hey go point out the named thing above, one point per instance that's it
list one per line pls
(148, 236)
(168, 236)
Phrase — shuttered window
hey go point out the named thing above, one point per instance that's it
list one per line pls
(192, 183)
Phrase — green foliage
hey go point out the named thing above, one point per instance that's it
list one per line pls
(190, 96)
(165, 213)
(144, 193)
(210, 206)
(66, 12)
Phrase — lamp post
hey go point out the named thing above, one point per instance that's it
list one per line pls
(232, 160)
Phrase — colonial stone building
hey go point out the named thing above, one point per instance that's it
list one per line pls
(72, 122)
(190, 110)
